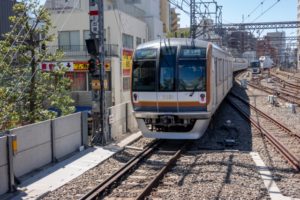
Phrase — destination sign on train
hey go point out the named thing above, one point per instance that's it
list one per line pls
(146, 54)
(193, 52)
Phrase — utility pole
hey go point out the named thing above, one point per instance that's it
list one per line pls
(96, 49)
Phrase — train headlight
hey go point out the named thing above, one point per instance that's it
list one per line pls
(202, 97)
(135, 97)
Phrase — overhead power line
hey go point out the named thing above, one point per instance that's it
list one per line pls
(264, 12)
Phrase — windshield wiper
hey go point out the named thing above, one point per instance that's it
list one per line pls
(193, 91)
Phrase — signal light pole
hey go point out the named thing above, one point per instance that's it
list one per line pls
(96, 43)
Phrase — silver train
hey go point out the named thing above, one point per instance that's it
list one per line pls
(178, 85)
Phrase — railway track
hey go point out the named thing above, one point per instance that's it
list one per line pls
(282, 138)
(286, 83)
(282, 95)
(289, 76)
(139, 176)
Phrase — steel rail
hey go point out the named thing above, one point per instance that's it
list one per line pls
(107, 183)
(265, 115)
(270, 91)
(290, 157)
(155, 181)
(286, 82)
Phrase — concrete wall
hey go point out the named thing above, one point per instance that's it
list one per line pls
(34, 147)
(42, 143)
(121, 120)
(3, 165)
(67, 134)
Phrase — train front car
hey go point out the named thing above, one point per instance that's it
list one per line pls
(170, 90)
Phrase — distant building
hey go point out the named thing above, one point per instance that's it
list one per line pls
(265, 48)
(6, 10)
(277, 40)
(240, 42)
(174, 20)
(152, 17)
(165, 15)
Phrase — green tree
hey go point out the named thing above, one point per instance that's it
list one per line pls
(26, 92)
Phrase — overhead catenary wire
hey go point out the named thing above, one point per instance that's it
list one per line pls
(260, 4)
(264, 12)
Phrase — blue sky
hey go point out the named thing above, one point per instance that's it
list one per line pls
(233, 10)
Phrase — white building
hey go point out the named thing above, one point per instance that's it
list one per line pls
(152, 17)
(124, 30)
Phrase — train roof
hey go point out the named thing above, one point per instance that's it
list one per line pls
(176, 42)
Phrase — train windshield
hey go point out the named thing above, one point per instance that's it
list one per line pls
(144, 70)
(192, 69)
(255, 64)
(167, 64)
(192, 75)
(143, 76)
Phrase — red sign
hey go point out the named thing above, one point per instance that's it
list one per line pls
(94, 12)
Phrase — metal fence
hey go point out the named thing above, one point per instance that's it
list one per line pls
(75, 51)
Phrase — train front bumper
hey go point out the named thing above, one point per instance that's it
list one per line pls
(189, 115)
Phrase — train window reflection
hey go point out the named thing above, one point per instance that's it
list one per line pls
(143, 76)
(167, 64)
(192, 75)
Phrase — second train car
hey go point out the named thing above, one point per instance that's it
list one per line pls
(177, 85)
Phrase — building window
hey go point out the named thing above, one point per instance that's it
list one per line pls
(138, 41)
(127, 41)
(79, 80)
(69, 40)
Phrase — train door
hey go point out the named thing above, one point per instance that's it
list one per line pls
(192, 79)
(167, 95)
(215, 82)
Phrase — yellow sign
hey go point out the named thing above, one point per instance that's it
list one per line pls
(97, 86)
(126, 61)
(80, 66)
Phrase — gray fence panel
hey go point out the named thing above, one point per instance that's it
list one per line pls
(67, 134)
(34, 147)
(132, 123)
(3, 166)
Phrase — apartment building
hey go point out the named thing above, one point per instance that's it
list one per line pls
(124, 30)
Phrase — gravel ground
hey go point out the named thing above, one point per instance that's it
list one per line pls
(87, 181)
(212, 175)
(286, 178)
(208, 172)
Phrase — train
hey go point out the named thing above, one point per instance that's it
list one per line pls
(177, 84)
(240, 64)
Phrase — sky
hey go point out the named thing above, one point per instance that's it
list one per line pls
(233, 11)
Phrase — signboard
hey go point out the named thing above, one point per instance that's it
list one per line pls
(76, 66)
(50, 66)
(126, 61)
(94, 17)
(81, 66)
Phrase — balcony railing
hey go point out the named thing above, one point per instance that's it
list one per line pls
(80, 51)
